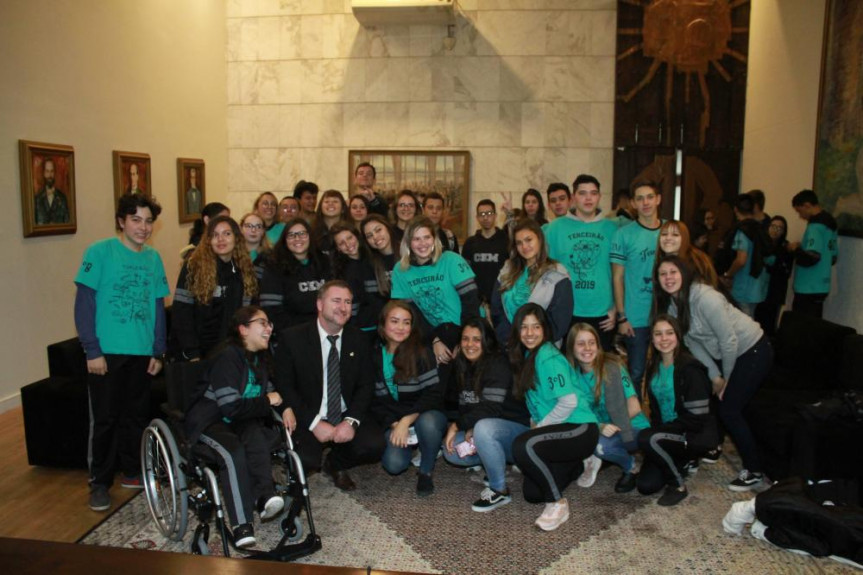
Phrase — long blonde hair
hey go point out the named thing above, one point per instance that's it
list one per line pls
(599, 363)
(515, 265)
(415, 225)
(202, 267)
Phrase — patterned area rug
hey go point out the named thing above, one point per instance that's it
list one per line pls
(383, 525)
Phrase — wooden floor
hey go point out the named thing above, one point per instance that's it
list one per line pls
(38, 502)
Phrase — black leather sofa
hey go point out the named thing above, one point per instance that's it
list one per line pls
(815, 362)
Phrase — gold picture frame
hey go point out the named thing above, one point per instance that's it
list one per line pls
(420, 171)
(191, 189)
(47, 189)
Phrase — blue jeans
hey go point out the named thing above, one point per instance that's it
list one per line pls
(617, 451)
(430, 426)
(493, 439)
(636, 351)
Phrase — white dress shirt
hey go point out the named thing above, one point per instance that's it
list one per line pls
(325, 354)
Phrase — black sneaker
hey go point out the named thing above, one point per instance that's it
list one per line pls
(672, 496)
(99, 498)
(626, 483)
(712, 456)
(489, 500)
(425, 485)
(746, 481)
(244, 535)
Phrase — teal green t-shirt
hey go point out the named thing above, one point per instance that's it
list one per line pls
(639, 421)
(816, 279)
(516, 296)
(634, 247)
(662, 386)
(584, 248)
(554, 379)
(275, 232)
(433, 288)
(747, 289)
(127, 285)
(389, 373)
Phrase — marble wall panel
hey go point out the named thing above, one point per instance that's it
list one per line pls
(343, 37)
(252, 169)
(528, 89)
(475, 79)
(602, 125)
(427, 125)
(290, 120)
(387, 124)
(333, 81)
(292, 32)
(321, 125)
(567, 33)
(355, 124)
(392, 41)
(472, 124)
(521, 79)
(532, 124)
(484, 165)
(327, 167)
(517, 33)
(545, 4)
(290, 170)
(509, 124)
(419, 79)
(603, 32)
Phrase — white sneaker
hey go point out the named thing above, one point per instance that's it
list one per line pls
(591, 468)
(554, 515)
(738, 516)
(272, 507)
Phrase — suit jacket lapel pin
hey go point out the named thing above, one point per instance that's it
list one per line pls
(351, 354)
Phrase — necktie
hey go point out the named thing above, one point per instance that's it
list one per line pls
(334, 387)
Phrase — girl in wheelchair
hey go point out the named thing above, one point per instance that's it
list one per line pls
(228, 419)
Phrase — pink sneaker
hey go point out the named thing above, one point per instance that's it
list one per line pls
(554, 515)
(592, 466)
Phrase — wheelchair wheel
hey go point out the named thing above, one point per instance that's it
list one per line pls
(294, 529)
(164, 481)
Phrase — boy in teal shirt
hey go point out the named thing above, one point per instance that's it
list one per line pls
(120, 317)
(747, 276)
(582, 243)
(814, 256)
(633, 250)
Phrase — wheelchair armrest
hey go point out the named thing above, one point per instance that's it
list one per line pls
(277, 420)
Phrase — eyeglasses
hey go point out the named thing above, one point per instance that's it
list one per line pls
(297, 235)
(485, 214)
(253, 226)
(261, 320)
(777, 227)
(406, 205)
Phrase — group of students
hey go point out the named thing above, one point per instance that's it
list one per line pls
(506, 357)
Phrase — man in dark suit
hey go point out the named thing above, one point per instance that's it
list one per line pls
(324, 372)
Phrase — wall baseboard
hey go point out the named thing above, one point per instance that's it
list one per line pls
(10, 402)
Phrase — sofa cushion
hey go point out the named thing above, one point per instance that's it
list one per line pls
(808, 353)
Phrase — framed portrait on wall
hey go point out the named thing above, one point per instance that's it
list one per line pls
(47, 189)
(131, 174)
(422, 172)
(191, 189)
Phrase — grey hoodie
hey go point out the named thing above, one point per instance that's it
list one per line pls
(718, 331)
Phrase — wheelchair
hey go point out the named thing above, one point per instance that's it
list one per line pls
(178, 479)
